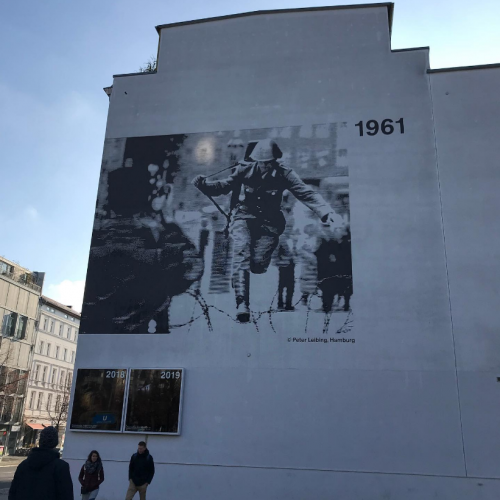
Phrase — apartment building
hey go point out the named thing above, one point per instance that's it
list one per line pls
(20, 291)
(51, 375)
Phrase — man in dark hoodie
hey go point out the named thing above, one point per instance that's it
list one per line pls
(140, 472)
(43, 475)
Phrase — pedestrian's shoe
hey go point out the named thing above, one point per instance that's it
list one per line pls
(242, 311)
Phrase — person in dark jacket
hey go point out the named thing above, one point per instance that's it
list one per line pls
(91, 476)
(140, 472)
(43, 475)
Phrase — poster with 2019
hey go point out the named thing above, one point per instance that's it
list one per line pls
(222, 231)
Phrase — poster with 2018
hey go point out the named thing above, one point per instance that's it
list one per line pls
(237, 229)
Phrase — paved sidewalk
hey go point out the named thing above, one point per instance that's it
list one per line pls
(8, 466)
(10, 461)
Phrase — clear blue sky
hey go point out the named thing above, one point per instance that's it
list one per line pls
(57, 55)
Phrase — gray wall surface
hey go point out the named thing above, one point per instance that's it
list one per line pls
(378, 418)
(467, 123)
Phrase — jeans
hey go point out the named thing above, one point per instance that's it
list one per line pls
(90, 496)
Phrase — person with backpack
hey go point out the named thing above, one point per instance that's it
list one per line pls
(140, 472)
(43, 475)
(91, 476)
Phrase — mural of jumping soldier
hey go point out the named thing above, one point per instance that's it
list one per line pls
(256, 219)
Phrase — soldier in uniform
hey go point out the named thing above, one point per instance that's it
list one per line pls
(256, 218)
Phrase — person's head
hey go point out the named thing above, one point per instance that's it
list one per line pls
(94, 456)
(49, 438)
(266, 151)
(141, 448)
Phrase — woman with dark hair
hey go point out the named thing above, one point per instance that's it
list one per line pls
(91, 476)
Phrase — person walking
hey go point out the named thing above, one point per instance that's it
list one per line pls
(43, 475)
(140, 472)
(91, 476)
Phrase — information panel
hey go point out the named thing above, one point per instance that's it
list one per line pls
(98, 400)
(154, 401)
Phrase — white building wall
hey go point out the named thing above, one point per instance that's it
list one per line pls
(52, 367)
(466, 114)
(264, 418)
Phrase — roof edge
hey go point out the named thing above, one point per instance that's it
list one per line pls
(410, 49)
(388, 5)
(464, 68)
(135, 74)
(62, 307)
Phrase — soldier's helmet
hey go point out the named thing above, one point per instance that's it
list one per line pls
(266, 150)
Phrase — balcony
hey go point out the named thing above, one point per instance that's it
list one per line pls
(24, 279)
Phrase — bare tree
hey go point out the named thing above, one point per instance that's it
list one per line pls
(150, 66)
(11, 379)
(58, 411)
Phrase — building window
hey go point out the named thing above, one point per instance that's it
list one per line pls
(65, 354)
(52, 324)
(44, 374)
(48, 349)
(57, 352)
(41, 346)
(49, 402)
(6, 268)
(58, 403)
(53, 378)
(61, 380)
(22, 380)
(69, 379)
(72, 356)
(32, 399)
(21, 327)
(9, 324)
(76, 335)
(66, 316)
(40, 401)
(61, 327)
(45, 323)
(72, 319)
(16, 415)
(37, 372)
(68, 335)
(48, 308)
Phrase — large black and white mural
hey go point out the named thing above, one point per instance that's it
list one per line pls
(222, 230)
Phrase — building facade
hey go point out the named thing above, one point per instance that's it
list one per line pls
(51, 372)
(20, 291)
(338, 335)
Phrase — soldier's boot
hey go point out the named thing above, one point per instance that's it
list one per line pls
(280, 299)
(241, 284)
(347, 300)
